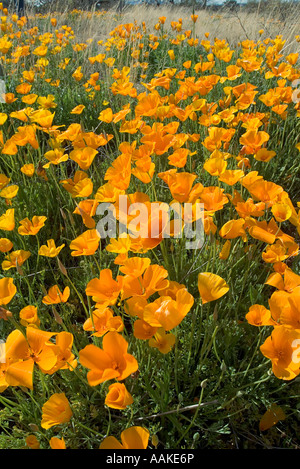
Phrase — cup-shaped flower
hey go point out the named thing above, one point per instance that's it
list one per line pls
(7, 290)
(168, 313)
(86, 244)
(57, 443)
(5, 245)
(56, 411)
(7, 220)
(118, 397)
(28, 315)
(132, 438)
(32, 442)
(211, 287)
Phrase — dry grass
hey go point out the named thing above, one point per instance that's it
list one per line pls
(234, 26)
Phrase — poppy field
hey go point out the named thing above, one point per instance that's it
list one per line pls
(140, 340)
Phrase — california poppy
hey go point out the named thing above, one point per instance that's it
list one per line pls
(56, 411)
(132, 438)
(112, 361)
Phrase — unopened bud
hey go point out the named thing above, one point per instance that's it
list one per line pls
(33, 427)
(57, 317)
(223, 367)
(203, 384)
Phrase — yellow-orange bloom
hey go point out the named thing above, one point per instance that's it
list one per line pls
(273, 415)
(211, 287)
(162, 341)
(86, 244)
(24, 352)
(132, 438)
(103, 321)
(55, 296)
(50, 250)
(7, 220)
(31, 227)
(281, 211)
(32, 442)
(112, 361)
(56, 411)
(5, 245)
(57, 443)
(118, 397)
(258, 315)
(280, 349)
(7, 290)
(168, 313)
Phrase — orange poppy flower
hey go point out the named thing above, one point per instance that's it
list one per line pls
(142, 330)
(15, 259)
(249, 208)
(28, 169)
(83, 157)
(258, 315)
(233, 229)
(31, 227)
(275, 253)
(272, 416)
(265, 191)
(56, 411)
(281, 211)
(118, 397)
(104, 290)
(162, 341)
(103, 321)
(280, 350)
(7, 290)
(32, 442)
(225, 251)
(253, 140)
(180, 184)
(55, 296)
(287, 280)
(211, 287)
(213, 198)
(63, 349)
(86, 244)
(80, 186)
(168, 313)
(57, 443)
(231, 176)
(50, 250)
(153, 280)
(25, 352)
(264, 155)
(5, 245)
(119, 173)
(55, 157)
(78, 109)
(28, 315)
(87, 209)
(7, 220)
(132, 438)
(179, 157)
(112, 361)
